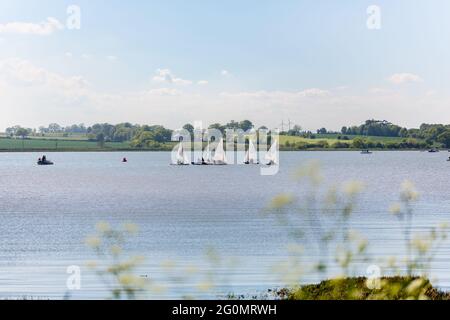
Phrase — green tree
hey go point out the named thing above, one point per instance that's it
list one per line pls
(295, 131)
(246, 125)
(217, 126)
(150, 136)
(161, 134)
(100, 140)
(232, 125)
(444, 138)
(189, 127)
(22, 132)
(359, 143)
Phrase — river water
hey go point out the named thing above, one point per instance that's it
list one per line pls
(47, 211)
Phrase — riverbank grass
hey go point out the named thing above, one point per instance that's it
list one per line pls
(360, 288)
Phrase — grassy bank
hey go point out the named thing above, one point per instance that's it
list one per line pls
(71, 144)
(388, 288)
(333, 138)
(330, 142)
(350, 142)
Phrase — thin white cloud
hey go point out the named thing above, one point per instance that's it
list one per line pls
(165, 92)
(166, 76)
(17, 72)
(69, 55)
(112, 58)
(402, 78)
(377, 90)
(225, 73)
(86, 56)
(202, 82)
(30, 94)
(307, 93)
(314, 92)
(43, 28)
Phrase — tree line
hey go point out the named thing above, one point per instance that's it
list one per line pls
(140, 136)
(430, 133)
(152, 135)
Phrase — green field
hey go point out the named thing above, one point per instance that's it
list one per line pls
(332, 138)
(58, 145)
(81, 143)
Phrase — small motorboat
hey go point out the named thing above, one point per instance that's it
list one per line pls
(433, 150)
(124, 160)
(45, 163)
(366, 151)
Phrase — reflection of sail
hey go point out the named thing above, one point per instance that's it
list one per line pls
(219, 155)
(182, 157)
(272, 154)
(207, 155)
(251, 157)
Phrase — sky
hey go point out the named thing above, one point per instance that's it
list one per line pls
(317, 63)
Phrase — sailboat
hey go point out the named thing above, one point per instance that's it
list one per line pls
(207, 155)
(219, 155)
(182, 157)
(251, 157)
(272, 154)
(206, 158)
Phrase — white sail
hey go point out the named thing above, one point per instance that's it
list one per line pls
(182, 157)
(272, 154)
(252, 153)
(207, 155)
(247, 157)
(219, 155)
(251, 156)
(186, 158)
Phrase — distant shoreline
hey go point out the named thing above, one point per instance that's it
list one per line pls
(286, 144)
(156, 150)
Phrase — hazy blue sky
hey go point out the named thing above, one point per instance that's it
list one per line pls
(171, 62)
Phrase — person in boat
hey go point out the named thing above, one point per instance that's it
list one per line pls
(124, 160)
(44, 158)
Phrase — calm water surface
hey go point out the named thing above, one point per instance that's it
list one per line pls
(46, 213)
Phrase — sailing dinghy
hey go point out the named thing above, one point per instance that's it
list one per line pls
(206, 158)
(251, 157)
(182, 157)
(272, 154)
(219, 155)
